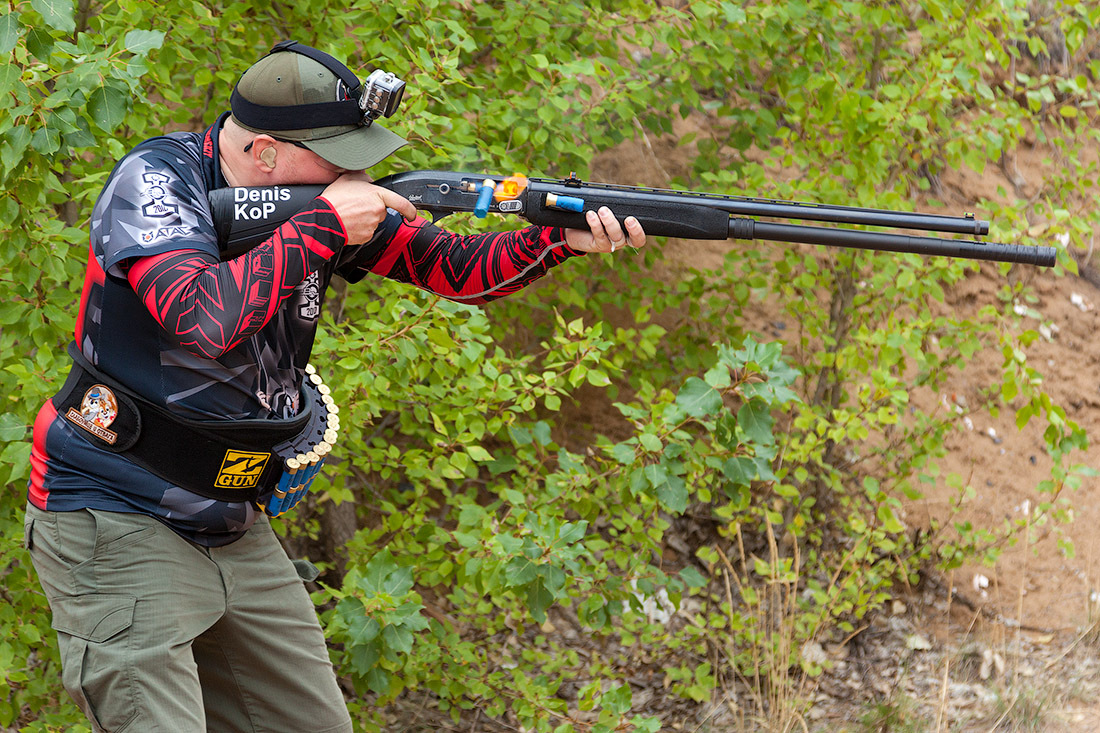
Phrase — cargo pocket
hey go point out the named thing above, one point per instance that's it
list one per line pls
(28, 532)
(115, 530)
(96, 658)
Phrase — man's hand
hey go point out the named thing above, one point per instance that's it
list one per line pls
(362, 206)
(605, 233)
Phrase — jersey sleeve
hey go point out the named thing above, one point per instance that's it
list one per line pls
(208, 307)
(154, 202)
(474, 268)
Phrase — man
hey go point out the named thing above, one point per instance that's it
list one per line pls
(175, 606)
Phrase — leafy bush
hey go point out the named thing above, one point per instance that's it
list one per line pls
(535, 489)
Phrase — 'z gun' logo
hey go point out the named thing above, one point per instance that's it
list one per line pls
(241, 470)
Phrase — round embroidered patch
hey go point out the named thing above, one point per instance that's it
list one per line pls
(99, 406)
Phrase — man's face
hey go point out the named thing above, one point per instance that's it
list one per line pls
(300, 165)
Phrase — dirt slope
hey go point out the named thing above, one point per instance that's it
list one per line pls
(1016, 650)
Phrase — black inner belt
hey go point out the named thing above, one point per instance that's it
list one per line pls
(227, 460)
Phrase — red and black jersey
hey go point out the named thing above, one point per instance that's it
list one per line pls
(162, 314)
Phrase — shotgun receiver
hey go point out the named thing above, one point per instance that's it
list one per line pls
(244, 217)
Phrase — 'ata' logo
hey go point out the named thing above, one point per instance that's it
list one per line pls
(174, 231)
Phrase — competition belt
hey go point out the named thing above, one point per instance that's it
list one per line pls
(270, 462)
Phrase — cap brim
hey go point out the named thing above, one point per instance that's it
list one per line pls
(357, 149)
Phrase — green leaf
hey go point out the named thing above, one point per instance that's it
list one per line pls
(755, 421)
(384, 576)
(399, 582)
(539, 598)
(718, 377)
(40, 43)
(511, 545)
(622, 453)
(656, 474)
(81, 137)
(541, 432)
(361, 628)
(142, 42)
(502, 465)
(673, 495)
(698, 399)
(398, 638)
(572, 532)
(890, 521)
(46, 140)
(917, 122)
(107, 107)
(740, 495)
(12, 428)
(692, 578)
(378, 680)
(520, 571)
(617, 699)
(479, 454)
(364, 657)
(519, 435)
(597, 378)
(58, 14)
(10, 29)
(739, 469)
(9, 75)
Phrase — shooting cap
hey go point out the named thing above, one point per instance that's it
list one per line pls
(300, 94)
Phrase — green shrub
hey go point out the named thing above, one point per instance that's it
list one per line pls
(754, 482)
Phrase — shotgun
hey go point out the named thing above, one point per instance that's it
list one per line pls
(244, 217)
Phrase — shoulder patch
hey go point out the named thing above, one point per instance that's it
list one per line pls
(160, 204)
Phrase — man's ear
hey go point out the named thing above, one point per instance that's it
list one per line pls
(263, 153)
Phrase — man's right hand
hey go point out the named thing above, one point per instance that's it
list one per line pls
(362, 206)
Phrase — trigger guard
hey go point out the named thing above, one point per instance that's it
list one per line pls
(430, 215)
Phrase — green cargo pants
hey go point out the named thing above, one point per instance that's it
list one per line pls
(158, 634)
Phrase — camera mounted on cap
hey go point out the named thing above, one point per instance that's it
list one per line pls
(381, 95)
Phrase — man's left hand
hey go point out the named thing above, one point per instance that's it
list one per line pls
(605, 233)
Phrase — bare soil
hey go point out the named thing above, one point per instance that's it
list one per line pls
(1017, 651)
